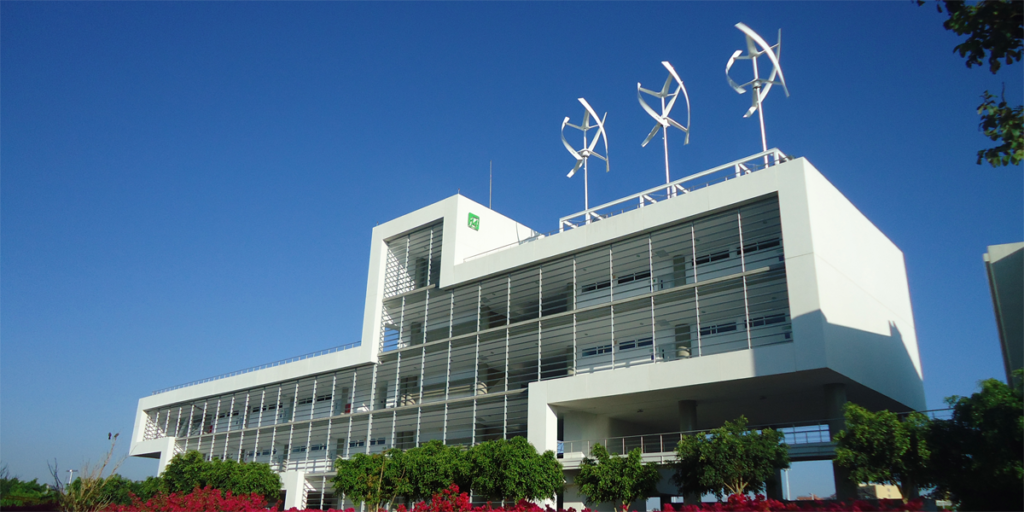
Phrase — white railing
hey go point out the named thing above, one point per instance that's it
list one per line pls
(682, 186)
(263, 366)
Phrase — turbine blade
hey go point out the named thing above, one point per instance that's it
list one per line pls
(728, 65)
(651, 135)
(644, 104)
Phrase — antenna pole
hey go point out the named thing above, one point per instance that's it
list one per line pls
(490, 184)
(586, 188)
(664, 138)
(760, 112)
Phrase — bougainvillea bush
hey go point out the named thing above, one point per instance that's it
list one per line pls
(451, 500)
(206, 499)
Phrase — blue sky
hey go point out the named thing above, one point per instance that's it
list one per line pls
(189, 188)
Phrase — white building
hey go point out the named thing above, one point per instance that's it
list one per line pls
(1004, 265)
(745, 289)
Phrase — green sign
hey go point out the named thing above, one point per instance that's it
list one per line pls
(474, 222)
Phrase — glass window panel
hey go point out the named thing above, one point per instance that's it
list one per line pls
(675, 321)
(557, 287)
(631, 264)
(432, 423)
(722, 317)
(769, 308)
(717, 241)
(494, 303)
(762, 234)
(436, 373)
(517, 409)
(593, 278)
(462, 379)
(593, 340)
(524, 295)
(522, 355)
(490, 419)
(460, 423)
(464, 312)
(438, 318)
(409, 377)
(634, 338)
(556, 348)
(672, 254)
(491, 367)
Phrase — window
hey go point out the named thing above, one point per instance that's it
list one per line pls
(596, 286)
(717, 329)
(760, 246)
(638, 276)
(305, 401)
(266, 407)
(377, 442)
(324, 398)
(354, 444)
(715, 256)
(593, 351)
(225, 415)
(631, 344)
(768, 320)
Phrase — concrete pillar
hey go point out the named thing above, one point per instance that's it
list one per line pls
(835, 398)
(293, 483)
(774, 486)
(687, 423)
(687, 415)
(166, 453)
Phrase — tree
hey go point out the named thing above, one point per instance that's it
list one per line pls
(512, 470)
(619, 480)
(188, 471)
(373, 479)
(995, 29)
(879, 448)
(976, 455)
(18, 493)
(730, 459)
(434, 467)
(86, 494)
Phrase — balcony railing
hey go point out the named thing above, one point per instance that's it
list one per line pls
(682, 186)
(318, 353)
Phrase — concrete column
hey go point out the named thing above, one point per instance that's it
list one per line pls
(774, 486)
(293, 483)
(835, 398)
(688, 422)
(687, 415)
(166, 454)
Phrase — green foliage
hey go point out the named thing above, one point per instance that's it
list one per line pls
(994, 29)
(512, 470)
(730, 459)
(373, 479)
(118, 490)
(86, 493)
(1004, 123)
(976, 455)
(433, 467)
(189, 470)
(15, 492)
(879, 448)
(618, 480)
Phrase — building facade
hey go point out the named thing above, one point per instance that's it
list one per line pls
(1004, 265)
(749, 289)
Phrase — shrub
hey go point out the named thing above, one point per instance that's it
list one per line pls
(206, 499)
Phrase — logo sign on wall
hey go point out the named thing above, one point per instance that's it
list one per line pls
(474, 222)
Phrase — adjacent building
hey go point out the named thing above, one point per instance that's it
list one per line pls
(1004, 265)
(754, 288)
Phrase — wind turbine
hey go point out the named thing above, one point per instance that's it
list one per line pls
(756, 47)
(663, 120)
(583, 154)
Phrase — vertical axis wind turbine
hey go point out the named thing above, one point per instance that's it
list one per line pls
(587, 151)
(663, 120)
(760, 85)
